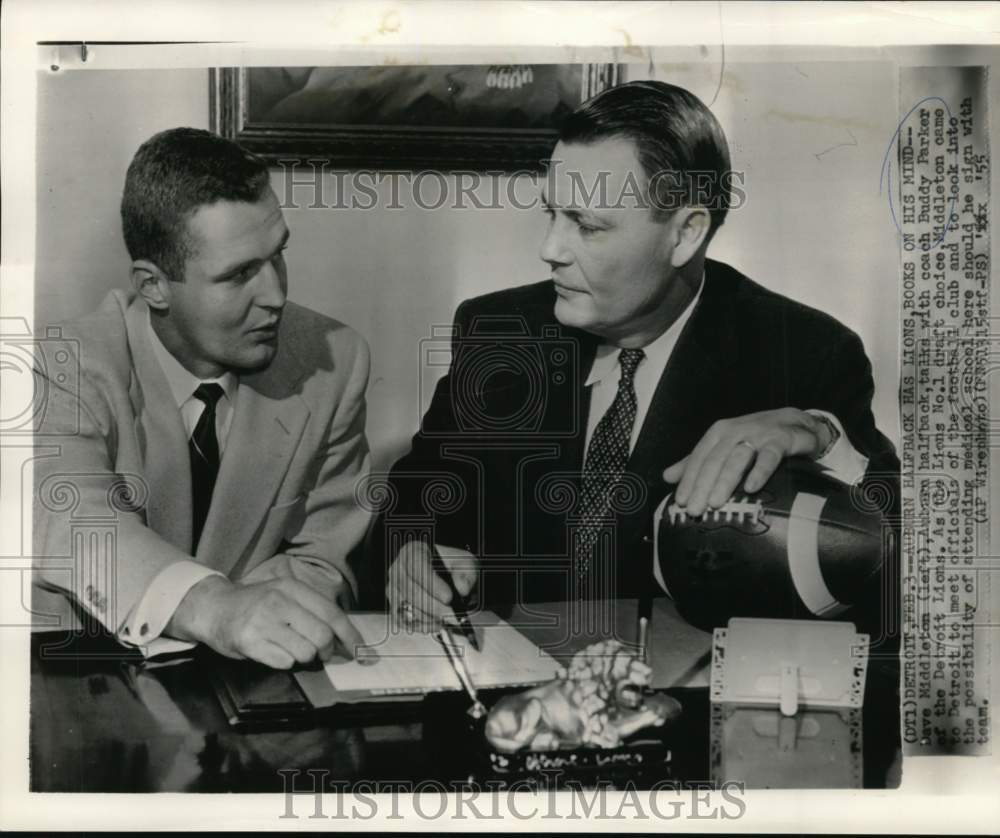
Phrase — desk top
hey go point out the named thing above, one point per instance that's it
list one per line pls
(102, 719)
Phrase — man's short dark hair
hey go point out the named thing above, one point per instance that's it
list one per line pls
(172, 174)
(680, 144)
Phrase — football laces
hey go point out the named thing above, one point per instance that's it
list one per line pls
(735, 511)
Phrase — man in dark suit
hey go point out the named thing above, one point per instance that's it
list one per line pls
(639, 367)
(216, 430)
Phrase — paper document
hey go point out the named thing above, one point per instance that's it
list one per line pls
(414, 662)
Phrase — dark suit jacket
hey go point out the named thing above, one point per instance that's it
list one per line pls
(495, 465)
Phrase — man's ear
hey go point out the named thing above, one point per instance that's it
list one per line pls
(690, 230)
(151, 284)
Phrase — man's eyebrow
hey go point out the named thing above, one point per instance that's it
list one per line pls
(250, 263)
(585, 215)
(574, 213)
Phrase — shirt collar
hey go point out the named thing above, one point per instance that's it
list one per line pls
(657, 352)
(182, 382)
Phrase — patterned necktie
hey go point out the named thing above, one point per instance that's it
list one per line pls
(204, 449)
(604, 466)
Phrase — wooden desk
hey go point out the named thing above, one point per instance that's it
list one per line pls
(104, 720)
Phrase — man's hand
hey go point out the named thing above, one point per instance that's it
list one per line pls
(277, 622)
(709, 475)
(412, 580)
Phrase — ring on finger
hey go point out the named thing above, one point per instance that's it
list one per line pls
(406, 611)
(748, 444)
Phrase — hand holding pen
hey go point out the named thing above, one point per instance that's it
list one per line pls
(429, 584)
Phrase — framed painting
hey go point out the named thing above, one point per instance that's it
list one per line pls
(483, 117)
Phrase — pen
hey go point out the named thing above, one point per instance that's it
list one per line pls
(645, 615)
(458, 602)
(643, 638)
(477, 710)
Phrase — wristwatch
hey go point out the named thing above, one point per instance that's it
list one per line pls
(834, 434)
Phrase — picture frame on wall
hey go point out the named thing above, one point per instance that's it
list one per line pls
(472, 116)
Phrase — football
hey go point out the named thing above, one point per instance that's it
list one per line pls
(806, 545)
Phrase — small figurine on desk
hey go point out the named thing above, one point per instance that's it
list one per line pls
(598, 702)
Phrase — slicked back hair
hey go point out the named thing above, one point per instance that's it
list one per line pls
(678, 140)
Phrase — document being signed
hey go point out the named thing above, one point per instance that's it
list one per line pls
(412, 662)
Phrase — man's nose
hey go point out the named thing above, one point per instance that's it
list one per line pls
(272, 289)
(553, 249)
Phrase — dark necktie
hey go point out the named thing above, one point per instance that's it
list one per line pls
(603, 468)
(204, 450)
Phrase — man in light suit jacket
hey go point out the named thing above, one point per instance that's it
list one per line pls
(640, 367)
(197, 483)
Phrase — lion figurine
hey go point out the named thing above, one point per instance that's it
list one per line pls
(598, 701)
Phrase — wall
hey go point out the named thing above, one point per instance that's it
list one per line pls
(89, 126)
(395, 273)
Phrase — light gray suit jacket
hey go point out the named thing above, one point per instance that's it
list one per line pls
(112, 490)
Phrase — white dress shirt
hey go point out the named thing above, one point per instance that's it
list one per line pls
(843, 461)
(147, 620)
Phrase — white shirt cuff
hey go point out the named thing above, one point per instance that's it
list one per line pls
(843, 461)
(146, 622)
